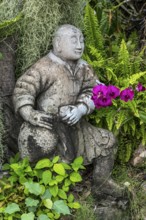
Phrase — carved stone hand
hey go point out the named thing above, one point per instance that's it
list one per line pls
(71, 114)
(36, 118)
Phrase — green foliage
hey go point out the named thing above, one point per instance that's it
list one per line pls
(40, 191)
(10, 15)
(40, 19)
(130, 178)
(1, 137)
(87, 210)
(117, 62)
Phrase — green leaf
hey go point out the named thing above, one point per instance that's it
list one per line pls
(77, 163)
(59, 169)
(60, 207)
(67, 182)
(43, 163)
(66, 166)
(70, 198)
(43, 217)
(55, 159)
(22, 179)
(33, 188)
(62, 194)
(28, 216)
(28, 169)
(46, 177)
(75, 177)
(12, 208)
(142, 116)
(59, 178)
(46, 195)
(53, 190)
(74, 205)
(31, 202)
(65, 188)
(48, 203)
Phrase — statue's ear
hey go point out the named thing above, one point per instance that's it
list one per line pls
(58, 44)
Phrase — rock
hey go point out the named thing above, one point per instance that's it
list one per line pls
(111, 213)
(139, 156)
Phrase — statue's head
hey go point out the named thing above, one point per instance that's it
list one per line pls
(68, 43)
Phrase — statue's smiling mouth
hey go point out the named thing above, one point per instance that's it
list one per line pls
(78, 51)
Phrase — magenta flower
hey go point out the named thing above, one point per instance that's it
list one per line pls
(104, 101)
(113, 91)
(127, 94)
(140, 87)
(99, 90)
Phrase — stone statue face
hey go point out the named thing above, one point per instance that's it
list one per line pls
(71, 44)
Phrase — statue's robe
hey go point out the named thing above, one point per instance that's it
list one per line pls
(46, 86)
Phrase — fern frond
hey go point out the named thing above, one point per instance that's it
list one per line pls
(92, 30)
(120, 117)
(110, 119)
(135, 77)
(123, 60)
(143, 133)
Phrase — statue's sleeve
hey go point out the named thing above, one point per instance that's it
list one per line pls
(26, 89)
(86, 90)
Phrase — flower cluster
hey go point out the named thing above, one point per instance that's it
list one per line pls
(103, 95)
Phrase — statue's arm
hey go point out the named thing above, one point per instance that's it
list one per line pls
(71, 114)
(26, 90)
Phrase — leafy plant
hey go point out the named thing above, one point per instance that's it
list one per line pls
(118, 62)
(40, 191)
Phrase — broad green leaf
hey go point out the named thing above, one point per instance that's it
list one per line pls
(12, 208)
(43, 217)
(46, 195)
(22, 179)
(67, 182)
(59, 169)
(31, 202)
(33, 188)
(46, 177)
(62, 194)
(48, 203)
(65, 188)
(53, 190)
(77, 163)
(53, 182)
(59, 178)
(60, 207)
(17, 168)
(28, 169)
(28, 216)
(74, 205)
(55, 159)
(43, 163)
(75, 177)
(66, 166)
(70, 198)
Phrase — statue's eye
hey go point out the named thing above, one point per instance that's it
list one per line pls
(74, 40)
(81, 40)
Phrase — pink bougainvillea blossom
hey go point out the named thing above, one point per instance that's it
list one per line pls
(127, 94)
(140, 87)
(113, 91)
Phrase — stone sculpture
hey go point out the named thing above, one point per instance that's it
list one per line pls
(52, 97)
